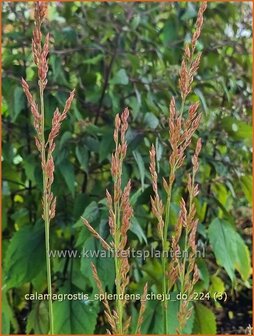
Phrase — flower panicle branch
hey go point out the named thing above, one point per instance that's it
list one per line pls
(40, 53)
(142, 310)
(111, 316)
(157, 204)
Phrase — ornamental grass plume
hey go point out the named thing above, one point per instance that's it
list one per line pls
(180, 272)
(120, 213)
(45, 147)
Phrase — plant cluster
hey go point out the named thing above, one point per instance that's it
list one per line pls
(120, 210)
(45, 147)
(148, 204)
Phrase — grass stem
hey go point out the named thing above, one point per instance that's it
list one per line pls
(46, 215)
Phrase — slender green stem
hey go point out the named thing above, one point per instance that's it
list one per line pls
(165, 290)
(164, 255)
(186, 247)
(119, 307)
(46, 215)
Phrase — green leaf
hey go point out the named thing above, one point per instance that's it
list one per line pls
(173, 308)
(25, 255)
(204, 322)
(101, 260)
(153, 320)
(238, 130)
(217, 286)
(190, 12)
(67, 170)
(82, 156)
(90, 213)
(38, 320)
(159, 151)
(152, 307)
(74, 316)
(151, 120)
(141, 167)
(169, 33)
(94, 59)
(200, 95)
(137, 230)
(8, 316)
(57, 69)
(65, 138)
(106, 145)
(18, 102)
(247, 183)
(135, 105)
(230, 250)
(120, 77)
(29, 166)
(204, 273)
(135, 196)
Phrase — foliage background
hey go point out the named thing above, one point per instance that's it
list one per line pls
(117, 55)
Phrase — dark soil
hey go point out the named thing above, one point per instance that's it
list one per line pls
(235, 317)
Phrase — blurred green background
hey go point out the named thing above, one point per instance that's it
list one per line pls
(118, 55)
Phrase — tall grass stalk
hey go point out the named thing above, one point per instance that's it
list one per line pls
(181, 130)
(46, 148)
(120, 213)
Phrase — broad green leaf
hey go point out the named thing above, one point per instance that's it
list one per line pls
(169, 32)
(153, 269)
(173, 308)
(229, 248)
(151, 120)
(204, 274)
(82, 156)
(135, 21)
(18, 102)
(65, 138)
(103, 262)
(74, 316)
(8, 316)
(200, 95)
(217, 286)
(135, 196)
(94, 59)
(247, 183)
(120, 77)
(141, 167)
(29, 166)
(134, 104)
(90, 213)
(106, 145)
(152, 307)
(153, 320)
(25, 255)
(57, 69)
(137, 230)
(204, 322)
(239, 130)
(38, 321)
(190, 12)
(67, 170)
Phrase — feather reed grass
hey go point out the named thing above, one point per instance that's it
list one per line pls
(45, 147)
(181, 130)
(120, 213)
